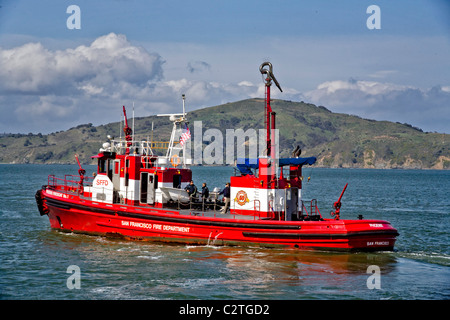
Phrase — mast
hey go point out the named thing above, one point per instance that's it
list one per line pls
(183, 96)
(268, 108)
(269, 114)
(177, 121)
(133, 124)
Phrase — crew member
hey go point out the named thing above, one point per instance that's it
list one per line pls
(226, 197)
(191, 189)
(205, 192)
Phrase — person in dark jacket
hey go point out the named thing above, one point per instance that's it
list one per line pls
(191, 189)
(226, 197)
(205, 192)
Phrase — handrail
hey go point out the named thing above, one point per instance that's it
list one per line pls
(70, 183)
(271, 210)
(304, 208)
(255, 202)
(314, 209)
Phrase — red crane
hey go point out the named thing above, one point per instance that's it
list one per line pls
(128, 132)
(337, 204)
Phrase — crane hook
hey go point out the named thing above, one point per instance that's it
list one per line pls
(269, 74)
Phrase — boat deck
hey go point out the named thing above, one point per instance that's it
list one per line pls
(210, 209)
(216, 214)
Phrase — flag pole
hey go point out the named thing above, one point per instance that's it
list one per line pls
(183, 96)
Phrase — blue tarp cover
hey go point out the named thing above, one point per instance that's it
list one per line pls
(296, 161)
(245, 165)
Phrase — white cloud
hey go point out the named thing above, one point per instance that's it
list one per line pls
(343, 93)
(428, 109)
(32, 69)
(44, 90)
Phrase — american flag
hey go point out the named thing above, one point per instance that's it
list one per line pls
(186, 135)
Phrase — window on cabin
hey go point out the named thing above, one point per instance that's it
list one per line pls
(144, 184)
(127, 175)
(176, 181)
(109, 168)
(101, 166)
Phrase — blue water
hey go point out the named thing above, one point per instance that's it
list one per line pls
(34, 259)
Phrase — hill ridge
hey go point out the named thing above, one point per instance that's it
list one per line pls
(336, 139)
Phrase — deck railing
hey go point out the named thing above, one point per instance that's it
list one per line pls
(70, 183)
(313, 209)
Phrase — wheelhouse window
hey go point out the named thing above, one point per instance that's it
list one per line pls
(101, 166)
(176, 181)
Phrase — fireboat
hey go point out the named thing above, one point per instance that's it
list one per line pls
(138, 195)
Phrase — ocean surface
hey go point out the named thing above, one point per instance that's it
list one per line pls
(37, 262)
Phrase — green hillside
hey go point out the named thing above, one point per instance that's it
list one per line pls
(337, 140)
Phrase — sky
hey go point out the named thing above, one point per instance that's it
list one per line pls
(60, 68)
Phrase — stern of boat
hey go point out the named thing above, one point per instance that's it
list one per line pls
(370, 235)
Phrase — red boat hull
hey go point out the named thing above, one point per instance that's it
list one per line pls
(71, 214)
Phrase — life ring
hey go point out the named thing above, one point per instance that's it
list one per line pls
(175, 160)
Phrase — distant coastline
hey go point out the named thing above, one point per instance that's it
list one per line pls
(337, 140)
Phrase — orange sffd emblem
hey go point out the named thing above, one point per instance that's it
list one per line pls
(241, 198)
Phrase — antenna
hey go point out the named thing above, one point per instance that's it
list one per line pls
(177, 120)
(184, 110)
(174, 116)
(152, 135)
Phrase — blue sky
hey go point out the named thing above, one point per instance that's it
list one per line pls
(150, 52)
